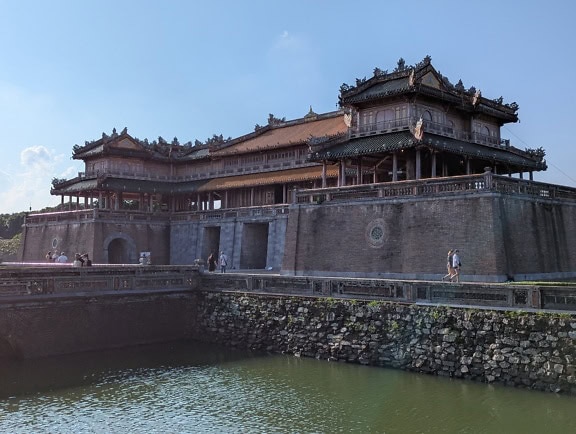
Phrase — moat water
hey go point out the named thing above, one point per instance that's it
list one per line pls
(190, 387)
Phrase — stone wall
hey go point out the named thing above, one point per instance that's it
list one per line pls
(69, 325)
(499, 236)
(81, 234)
(531, 350)
(248, 241)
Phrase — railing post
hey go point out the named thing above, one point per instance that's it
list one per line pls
(488, 178)
(535, 298)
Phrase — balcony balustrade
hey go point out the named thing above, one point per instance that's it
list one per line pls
(429, 127)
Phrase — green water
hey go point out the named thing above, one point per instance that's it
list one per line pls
(199, 388)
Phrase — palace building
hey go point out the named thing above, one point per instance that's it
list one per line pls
(408, 167)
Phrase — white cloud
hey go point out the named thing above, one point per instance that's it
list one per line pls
(36, 159)
(29, 186)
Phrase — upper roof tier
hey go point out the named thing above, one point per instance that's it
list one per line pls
(423, 79)
(275, 135)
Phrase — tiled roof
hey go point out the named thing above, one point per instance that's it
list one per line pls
(286, 135)
(367, 145)
(166, 187)
(89, 152)
(269, 178)
(382, 143)
(476, 150)
(379, 90)
(85, 185)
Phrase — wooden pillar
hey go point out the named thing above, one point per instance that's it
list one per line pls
(418, 173)
(467, 166)
(433, 168)
(359, 171)
(394, 167)
(324, 174)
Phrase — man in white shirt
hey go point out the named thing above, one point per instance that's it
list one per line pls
(62, 258)
(223, 262)
(456, 265)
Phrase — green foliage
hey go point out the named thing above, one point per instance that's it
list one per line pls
(11, 224)
(9, 248)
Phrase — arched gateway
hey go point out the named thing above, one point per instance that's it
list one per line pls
(119, 248)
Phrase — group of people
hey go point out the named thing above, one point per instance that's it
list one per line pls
(453, 264)
(80, 260)
(214, 261)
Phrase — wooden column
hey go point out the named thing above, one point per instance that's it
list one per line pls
(418, 173)
(433, 168)
(324, 174)
(394, 167)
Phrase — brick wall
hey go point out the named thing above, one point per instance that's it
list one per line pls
(497, 235)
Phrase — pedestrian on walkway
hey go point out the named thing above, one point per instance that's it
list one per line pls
(223, 262)
(449, 266)
(456, 264)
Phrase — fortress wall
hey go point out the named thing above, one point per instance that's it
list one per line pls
(498, 236)
(90, 236)
(62, 326)
(70, 237)
(532, 350)
(538, 236)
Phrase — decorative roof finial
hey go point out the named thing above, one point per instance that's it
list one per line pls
(310, 114)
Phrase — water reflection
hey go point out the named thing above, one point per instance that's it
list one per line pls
(192, 387)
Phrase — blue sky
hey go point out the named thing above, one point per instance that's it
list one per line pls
(71, 70)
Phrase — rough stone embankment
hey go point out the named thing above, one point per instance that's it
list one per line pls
(524, 349)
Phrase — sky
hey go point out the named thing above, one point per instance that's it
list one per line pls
(71, 70)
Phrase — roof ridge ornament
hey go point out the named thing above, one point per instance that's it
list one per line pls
(311, 114)
(476, 97)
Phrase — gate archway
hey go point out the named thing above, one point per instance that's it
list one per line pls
(119, 248)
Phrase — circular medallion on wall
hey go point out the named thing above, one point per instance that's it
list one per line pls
(375, 233)
(55, 243)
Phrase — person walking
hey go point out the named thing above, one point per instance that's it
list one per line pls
(449, 266)
(456, 264)
(211, 262)
(223, 261)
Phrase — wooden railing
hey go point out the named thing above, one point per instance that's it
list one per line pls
(440, 129)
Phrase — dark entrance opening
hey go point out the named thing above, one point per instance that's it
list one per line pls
(278, 194)
(118, 252)
(211, 241)
(254, 246)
